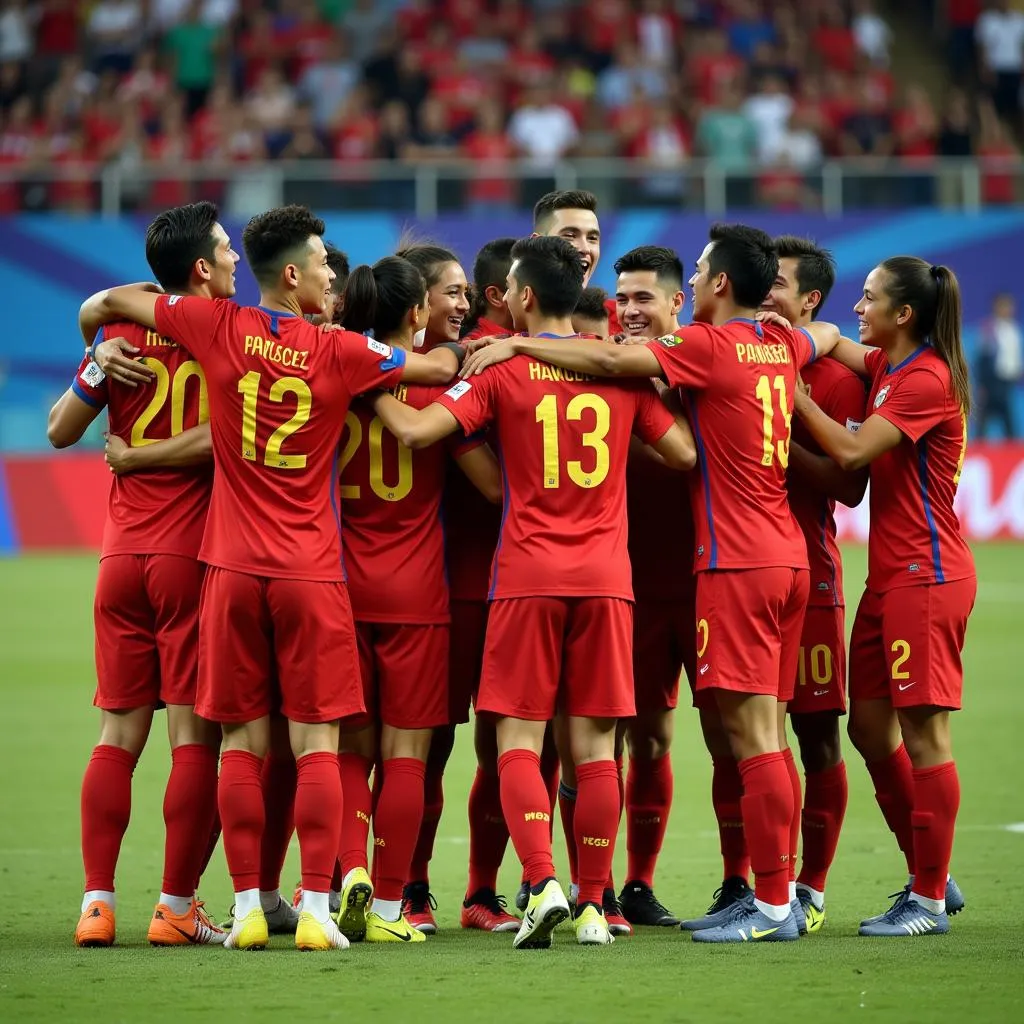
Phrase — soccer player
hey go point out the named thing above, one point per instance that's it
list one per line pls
(147, 590)
(338, 262)
(394, 555)
(906, 673)
(488, 315)
(805, 278)
(739, 375)
(560, 625)
(591, 313)
(274, 614)
(571, 214)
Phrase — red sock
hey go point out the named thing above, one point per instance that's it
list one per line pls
(433, 805)
(240, 800)
(648, 801)
(936, 802)
(355, 823)
(318, 813)
(726, 797)
(767, 814)
(596, 821)
(488, 833)
(278, 780)
(524, 804)
(396, 824)
(794, 825)
(106, 808)
(550, 770)
(824, 809)
(212, 842)
(190, 808)
(894, 790)
(567, 811)
(620, 776)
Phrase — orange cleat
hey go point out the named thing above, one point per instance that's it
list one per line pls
(193, 928)
(95, 926)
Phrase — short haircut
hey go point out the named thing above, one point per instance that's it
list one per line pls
(338, 262)
(591, 304)
(490, 269)
(748, 258)
(664, 262)
(553, 270)
(176, 239)
(278, 237)
(427, 257)
(567, 199)
(815, 268)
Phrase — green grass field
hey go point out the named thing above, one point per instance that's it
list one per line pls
(49, 727)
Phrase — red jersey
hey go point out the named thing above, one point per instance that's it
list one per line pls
(739, 380)
(160, 511)
(614, 327)
(391, 517)
(279, 390)
(564, 440)
(841, 394)
(915, 534)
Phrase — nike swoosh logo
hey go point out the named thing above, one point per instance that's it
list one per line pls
(404, 936)
(820, 693)
(901, 687)
(755, 934)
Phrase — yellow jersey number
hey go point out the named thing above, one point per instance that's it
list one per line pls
(376, 433)
(766, 390)
(163, 385)
(249, 388)
(547, 413)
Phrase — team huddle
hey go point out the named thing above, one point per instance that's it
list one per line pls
(343, 517)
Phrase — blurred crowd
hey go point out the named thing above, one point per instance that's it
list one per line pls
(766, 90)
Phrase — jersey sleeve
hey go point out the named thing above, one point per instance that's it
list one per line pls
(686, 357)
(460, 443)
(652, 420)
(845, 401)
(368, 364)
(190, 320)
(471, 402)
(873, 359)
(915, 403)
(804, 349)
(90, 383)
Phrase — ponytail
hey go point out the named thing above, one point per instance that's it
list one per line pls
(359, 308)
(378, 298)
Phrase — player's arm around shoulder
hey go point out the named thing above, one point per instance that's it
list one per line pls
(135, 302)
(69, 419)
(415, 428)
(438, 366)
(662, 424)
(597, 358)
(192, 447)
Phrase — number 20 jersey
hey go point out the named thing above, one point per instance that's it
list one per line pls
(279, 390)
(738, 381)
(161, 511)
(563, 440)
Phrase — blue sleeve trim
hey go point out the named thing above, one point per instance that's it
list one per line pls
(85, 396)
(814, 348)
(396, 361)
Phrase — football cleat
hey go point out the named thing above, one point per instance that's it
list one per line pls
(906, 917)
(418, 906)
(379, 930)
(544, 912)
(797, 909)
(486, 910)
(955, 901)
(96, 926)
(640, 906)
(193, 928)
(313, 936)
(733, 890)
(523, 896)
(813, 917)
(355, 898)
(283, 919)
(591, 927)
(745, 923)
(250, 932)
(617, 923)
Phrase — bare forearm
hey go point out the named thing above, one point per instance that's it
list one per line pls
(135, 302)
(597, 358)
(822, 474)
(834, 438)
(191, 447)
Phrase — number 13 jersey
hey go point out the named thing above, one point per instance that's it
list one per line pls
(279, 390)
(738, 381)
(563, 439)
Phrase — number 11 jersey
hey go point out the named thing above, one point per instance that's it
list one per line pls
(279, 390)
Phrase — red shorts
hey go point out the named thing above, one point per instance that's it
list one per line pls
(821, 670)
(548, 654)
(664, 642)
(404, 672)
(748, 629)
(146, 613)
(906, 644)
(468, 631)
(262, 638)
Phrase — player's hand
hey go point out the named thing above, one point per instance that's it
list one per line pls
(478, 343)
(802, 387)
(119, 359)
(630, 339)
(766, 316)
(117, 454)
(499, 352)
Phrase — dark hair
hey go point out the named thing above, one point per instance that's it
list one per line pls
(591, 304)
(176, 239)
(933, 294)
(666, 264)
(552, 269)
(747, 257)
(377, 298)
(815, 268)
(427, 257)
(338, 262)
(567, 199)
(278, 237)
(490, 268)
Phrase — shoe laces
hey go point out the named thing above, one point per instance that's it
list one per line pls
(418, 898)
(733, 889)
(904, 909)
(610, 904)
(646, 895)
(899, 898)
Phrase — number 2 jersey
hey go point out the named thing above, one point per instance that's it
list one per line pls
(160, 511)
(279, 390)
(564, 438)
(393, 533)
(738, 382)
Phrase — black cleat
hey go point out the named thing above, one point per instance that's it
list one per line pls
(523, 897)
(640, 906)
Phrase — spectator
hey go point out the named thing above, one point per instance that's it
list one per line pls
(958, 19)
(432, 138)
(999, 367)
(712, 64)
(57, 28)
(15, 32)
(528, 62)
(616, 83)
(259, 46)
(867, 130)
(833, 38)
(486, 45)
(769, 110)
(999, 158)
(326, 83)
(146, 84)
(1000, 35)
(394, 129)
(872, 34)
(663, 145)
(308, 40)
(542, 129)
(114, 31)
(657, 30)
(748, 28)
(365, 21)
(725, 133)
(956, 133)
(304, 143)
(797, 145)
(270, 107)
(194, 46)
(488, 146)
(916, 125)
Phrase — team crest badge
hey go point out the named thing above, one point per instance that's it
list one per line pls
(881, 396)
(670, 340)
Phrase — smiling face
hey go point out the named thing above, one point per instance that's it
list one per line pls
(878, 320)
(582, 231)
(449, 303)
(313, 278)
(646, 308)
(222, 270)
(785, 297)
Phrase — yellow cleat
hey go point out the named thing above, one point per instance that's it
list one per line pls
(355, 898)
(544, 912)
(815, 917)
(379, 930)
(592, 927)
(312, 935)
(250, 932)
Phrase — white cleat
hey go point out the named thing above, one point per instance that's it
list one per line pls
(592, 928)
(544, 912)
